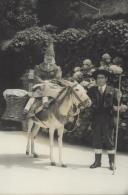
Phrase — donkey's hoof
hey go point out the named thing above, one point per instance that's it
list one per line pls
(63, 165)
(53, 164)
(35, 156)
(27, 153)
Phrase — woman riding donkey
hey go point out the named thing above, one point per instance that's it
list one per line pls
(47, 70)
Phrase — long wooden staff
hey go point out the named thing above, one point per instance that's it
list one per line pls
(117, 123)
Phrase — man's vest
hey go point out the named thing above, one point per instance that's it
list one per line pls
(105, 101)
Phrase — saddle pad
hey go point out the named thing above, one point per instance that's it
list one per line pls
(51, 89)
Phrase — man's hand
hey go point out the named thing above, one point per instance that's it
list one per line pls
(119, 95)
(55, 81)
(122, 108)
(39, 79)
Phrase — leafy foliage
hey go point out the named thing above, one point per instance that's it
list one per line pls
(15, 15)
(27, 44)
(50, 29)
(61, 13)
(68, 51)
(31, 42)
(107, 36)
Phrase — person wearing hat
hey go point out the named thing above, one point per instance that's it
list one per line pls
(105, 61)
(87, 70)
(87, 67)
(48, 69)
(104, 98)
(118, 61)
(77, 75)
(87, 64)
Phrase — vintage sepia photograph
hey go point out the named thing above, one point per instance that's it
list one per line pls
(63, 97)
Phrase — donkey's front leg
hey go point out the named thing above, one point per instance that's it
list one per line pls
(60, 142)
(33, 136)
(29, 126)
(51, 138)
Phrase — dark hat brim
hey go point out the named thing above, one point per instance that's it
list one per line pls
(101, 72)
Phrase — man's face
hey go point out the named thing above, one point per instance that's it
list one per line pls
(108, 60)
(49, 59)
(101, 80)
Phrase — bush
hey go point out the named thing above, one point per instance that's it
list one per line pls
(15, 15)
(64, 14)
(25, 21)
(31, 43)
(50, 29)
(107, 36)
(68, 51)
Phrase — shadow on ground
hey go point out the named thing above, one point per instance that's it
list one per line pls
(21, 160)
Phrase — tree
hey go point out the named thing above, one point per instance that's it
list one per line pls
(61, 13)
(107, 36)
(14, 16)
(31, 44)
(68, 48)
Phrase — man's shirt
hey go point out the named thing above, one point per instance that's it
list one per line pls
(102, 88)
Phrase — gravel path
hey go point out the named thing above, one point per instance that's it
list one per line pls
(20, 174)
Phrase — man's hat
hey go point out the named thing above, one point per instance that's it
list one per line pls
(101, 72)
(106, 56)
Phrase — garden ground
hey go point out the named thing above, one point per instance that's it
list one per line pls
(23, 175)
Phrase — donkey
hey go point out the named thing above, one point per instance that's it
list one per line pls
(55, 117)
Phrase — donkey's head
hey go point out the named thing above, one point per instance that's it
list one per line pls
(79, 95)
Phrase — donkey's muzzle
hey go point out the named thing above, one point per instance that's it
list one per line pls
(85, 104)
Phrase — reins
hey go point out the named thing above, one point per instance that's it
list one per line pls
(77, 113)
(73, 114)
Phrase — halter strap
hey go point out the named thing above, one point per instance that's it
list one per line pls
(61, 92)
(76, 93)
(69, 87)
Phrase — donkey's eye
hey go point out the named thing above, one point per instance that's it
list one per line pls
(76, 89)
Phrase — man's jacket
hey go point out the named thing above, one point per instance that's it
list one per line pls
(106, 101)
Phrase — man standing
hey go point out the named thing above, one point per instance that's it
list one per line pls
(104, 100)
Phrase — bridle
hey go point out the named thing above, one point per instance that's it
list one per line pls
(77, 113)
(77, 97)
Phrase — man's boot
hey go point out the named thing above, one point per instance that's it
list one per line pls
(111, 161)
(97, 162)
